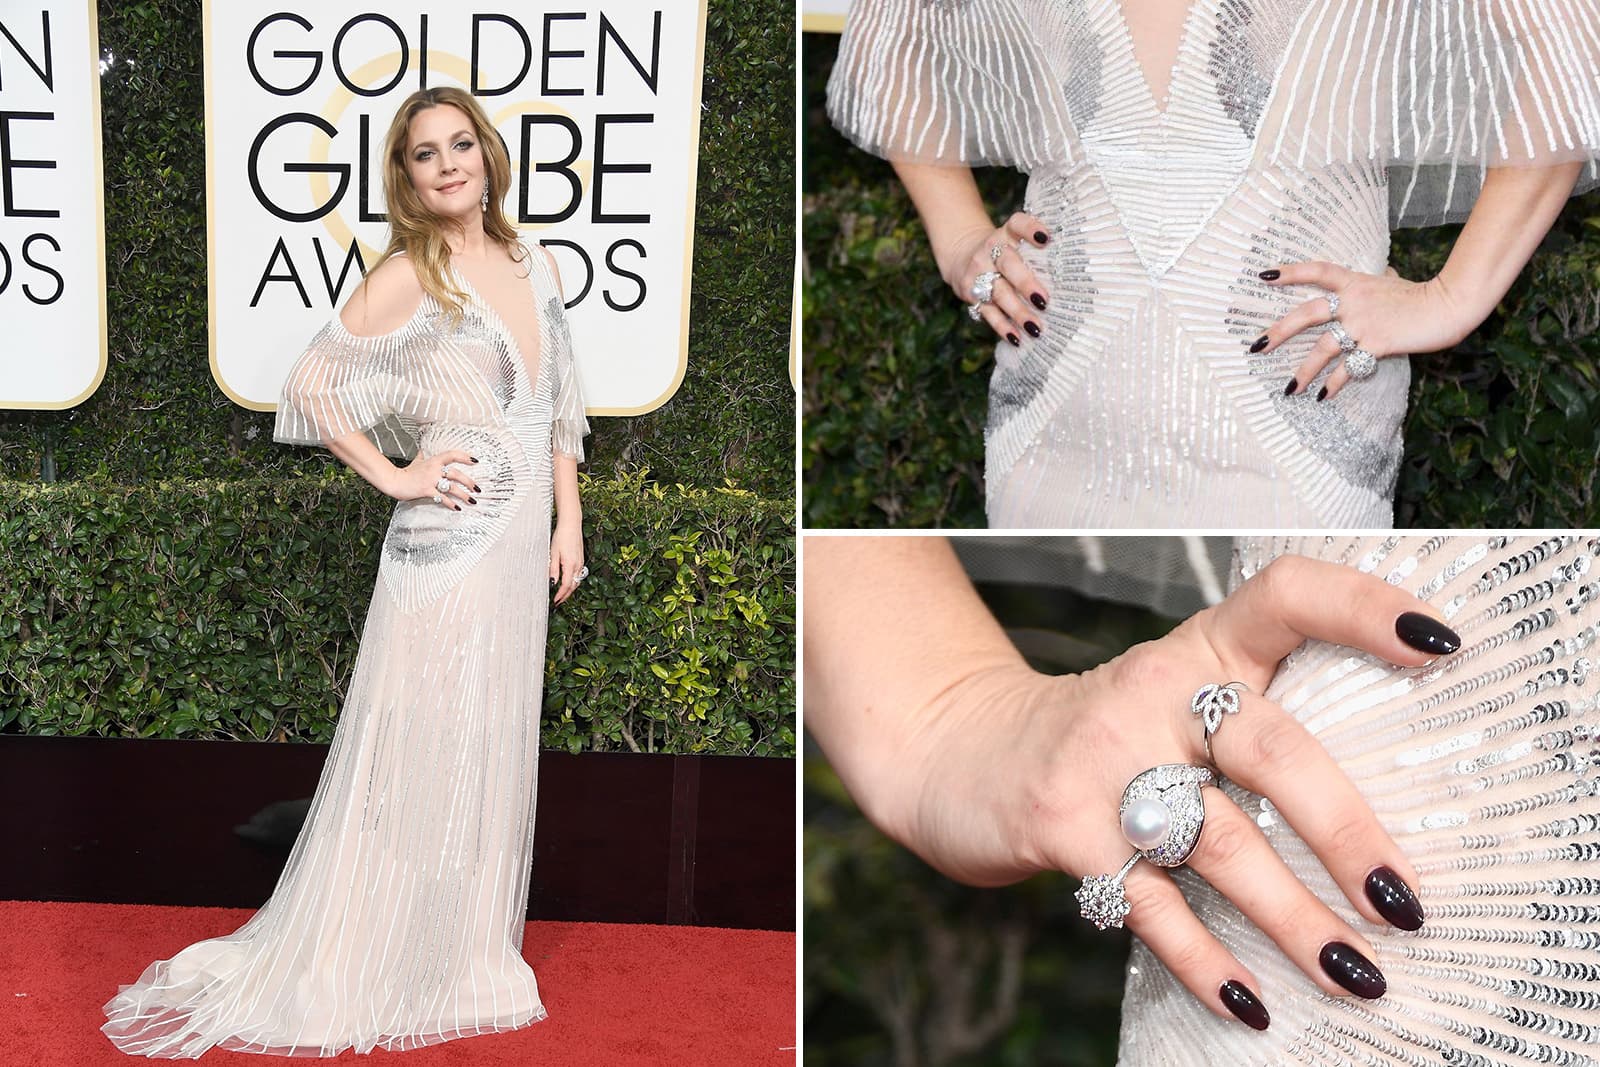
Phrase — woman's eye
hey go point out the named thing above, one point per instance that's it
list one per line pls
(462, 146)
(424, 154)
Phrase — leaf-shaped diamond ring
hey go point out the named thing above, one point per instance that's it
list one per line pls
(1211, 702)
(1162, 815)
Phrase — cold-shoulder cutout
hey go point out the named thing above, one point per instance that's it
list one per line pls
(386, 300)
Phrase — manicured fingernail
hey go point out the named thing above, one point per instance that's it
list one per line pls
(1394, 899)
(475, 489)
(1038, 301)
(473, 458)
(1426, 633)
(1243, 1003)
(1260, 343)
(1032, 328)
(1322, 394)
(472, 500)
(456, 506)
(1040, 236)
(1016, 342)
(1352, 970)
(1289, 389)
(1270, 275)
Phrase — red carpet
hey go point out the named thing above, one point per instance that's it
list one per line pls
(617, 995)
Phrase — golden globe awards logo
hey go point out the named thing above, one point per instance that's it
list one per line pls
(597, 105)
(52, 242)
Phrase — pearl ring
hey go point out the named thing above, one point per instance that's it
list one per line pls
(1162, 814)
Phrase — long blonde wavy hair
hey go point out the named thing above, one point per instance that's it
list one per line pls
(420, 233)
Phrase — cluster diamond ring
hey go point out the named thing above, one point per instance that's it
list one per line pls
(1359, 363)
(437, 499)
(1333, 305)
(996, 252)
(583, 572)
(1346, 342)
(1162, 815)
(1211, 702)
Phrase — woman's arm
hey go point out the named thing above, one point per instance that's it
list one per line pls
(962, 234)
(991, 771)
(1514, 210)
(1388, 315)
(566, 541)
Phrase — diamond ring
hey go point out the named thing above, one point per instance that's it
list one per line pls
(443, 485)
(1333, 305)
(1359, 363)
(996, 252)
(1162, 814)
(983, 286)
(1340, 334)
(1211, 702)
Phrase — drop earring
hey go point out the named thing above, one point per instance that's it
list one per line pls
(486, 194)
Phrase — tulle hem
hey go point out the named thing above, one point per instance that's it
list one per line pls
(151, 1033)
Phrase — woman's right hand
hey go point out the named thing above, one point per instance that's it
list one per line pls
(1020, 297)
(1007, 772)
(419, 479)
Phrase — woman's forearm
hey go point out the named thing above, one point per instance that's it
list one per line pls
(952, 212)
(1513, 212)
(892, 624)
(569, 508)
(358, 453)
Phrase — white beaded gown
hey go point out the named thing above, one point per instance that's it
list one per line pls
(397, 921)
(1291, 130)
(1485, 768)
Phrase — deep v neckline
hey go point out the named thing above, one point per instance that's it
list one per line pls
(1124, 32)
(502, 327)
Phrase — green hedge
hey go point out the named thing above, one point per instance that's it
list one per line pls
(233, 609)
(1502, 430)
(159, 415)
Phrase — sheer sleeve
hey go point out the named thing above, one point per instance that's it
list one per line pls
(952, 81)
(568, 423)
(343, 383)
(1439, 91)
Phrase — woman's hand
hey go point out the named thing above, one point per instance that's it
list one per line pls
(420, 479)
(566, 557)
(1004, 772)
(1019, 297)
(1382, 313)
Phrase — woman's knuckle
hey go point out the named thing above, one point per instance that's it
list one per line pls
(1225, 842)
(1275, 743)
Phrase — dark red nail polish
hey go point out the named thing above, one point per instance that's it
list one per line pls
(1394, 899)
(1038, 301)
(472, 500)
(473, 458)
(1323, 394)
(1426, 634)
(1352, 970)
(1040, 236)
(1016, 342)
(1260, 343)
(1271, 275)
(1032, 328)
(1289, 389)
(1237, 998)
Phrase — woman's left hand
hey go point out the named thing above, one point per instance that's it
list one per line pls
(1382, 313)
(566, 558)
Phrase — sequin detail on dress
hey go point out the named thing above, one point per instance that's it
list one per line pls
(1485, 768)
(1291, 130)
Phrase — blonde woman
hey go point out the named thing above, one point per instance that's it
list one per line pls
(398, 919)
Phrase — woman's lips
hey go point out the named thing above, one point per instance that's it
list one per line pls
(452, 187)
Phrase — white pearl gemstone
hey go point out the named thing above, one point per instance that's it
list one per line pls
(1146, 823)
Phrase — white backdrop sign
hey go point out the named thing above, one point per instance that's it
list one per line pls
(598, 104)
(52, 219)
(823, 16)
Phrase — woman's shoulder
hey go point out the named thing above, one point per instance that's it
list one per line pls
(386, 300)
(540, 261)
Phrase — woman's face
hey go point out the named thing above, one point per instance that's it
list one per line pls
(445, 161)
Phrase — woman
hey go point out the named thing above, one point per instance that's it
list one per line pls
(1196, 321)
(1398, 867)
(398, 919)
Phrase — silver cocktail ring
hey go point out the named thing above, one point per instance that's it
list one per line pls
(443, 485)
(1333, 305)
(1162, 814)
(1360, 363)
(983, 286)
(1211, 702)
(996, 252)
(1346, 342)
